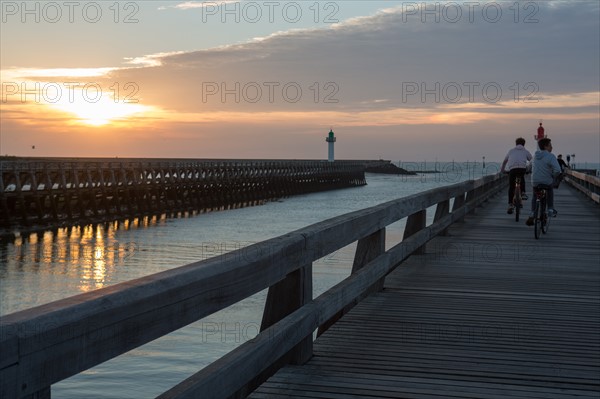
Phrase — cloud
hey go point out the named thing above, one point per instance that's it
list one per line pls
(190, 5)
(393, 55)
(366, 59)
(14, 74)
(151, 60)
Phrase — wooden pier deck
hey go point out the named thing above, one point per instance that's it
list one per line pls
(486, 312)
(469, 306)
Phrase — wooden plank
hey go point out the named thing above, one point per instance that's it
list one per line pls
(317, 379)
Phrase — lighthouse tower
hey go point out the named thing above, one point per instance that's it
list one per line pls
(330, 139)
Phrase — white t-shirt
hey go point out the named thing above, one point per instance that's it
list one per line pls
(517, 158)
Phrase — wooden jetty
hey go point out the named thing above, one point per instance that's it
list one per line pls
(63, 191)
(470, 306)
(485, 312)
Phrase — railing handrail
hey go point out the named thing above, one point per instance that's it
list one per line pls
(48, 343)
(588, 184)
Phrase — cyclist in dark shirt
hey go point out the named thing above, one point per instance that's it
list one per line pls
(562, 163)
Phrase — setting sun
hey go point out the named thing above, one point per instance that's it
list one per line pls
(101, 112)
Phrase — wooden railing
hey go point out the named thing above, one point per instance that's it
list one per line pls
(48, 343)
(588, 184)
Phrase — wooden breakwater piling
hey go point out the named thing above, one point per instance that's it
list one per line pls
(62, 191)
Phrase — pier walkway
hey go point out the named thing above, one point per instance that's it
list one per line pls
(467, 305)
(486, 312)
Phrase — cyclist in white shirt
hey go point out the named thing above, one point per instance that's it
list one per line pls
(515, 164)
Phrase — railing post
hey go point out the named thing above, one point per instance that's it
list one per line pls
(3, 202)
(414, 224)
(91, 190)
(442, 210)
(367, 249)
(21, 197)
(36, 196)
(283, 298)
(471, 195)
(78, 193)
(48, 187)
(459, 201)
(66, 192)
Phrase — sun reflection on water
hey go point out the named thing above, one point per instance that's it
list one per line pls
(65, 261)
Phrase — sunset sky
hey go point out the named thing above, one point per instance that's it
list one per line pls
(397, 80)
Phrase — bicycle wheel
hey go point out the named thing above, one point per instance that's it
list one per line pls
(517, 203)
(546, 220)
(537, 224)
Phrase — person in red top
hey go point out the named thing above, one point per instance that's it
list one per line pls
(540, 132)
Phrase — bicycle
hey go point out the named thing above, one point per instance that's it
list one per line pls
(541, 219)
(517, 198)
(516, 203)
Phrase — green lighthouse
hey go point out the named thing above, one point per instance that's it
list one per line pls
(330, 139)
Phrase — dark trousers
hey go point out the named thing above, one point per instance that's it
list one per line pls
(512, 176)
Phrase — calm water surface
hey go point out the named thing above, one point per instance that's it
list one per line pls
(40, 268)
